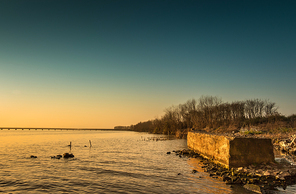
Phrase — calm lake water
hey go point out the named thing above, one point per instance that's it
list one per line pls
(117, 162)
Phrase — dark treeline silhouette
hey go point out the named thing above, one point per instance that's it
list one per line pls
(211, 114)
(122, 127)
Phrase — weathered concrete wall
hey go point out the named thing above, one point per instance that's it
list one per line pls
(246, 151)
(231, 151)
(210, 146)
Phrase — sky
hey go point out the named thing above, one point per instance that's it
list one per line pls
(100, 64)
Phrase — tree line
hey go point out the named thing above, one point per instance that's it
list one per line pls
(211, 113)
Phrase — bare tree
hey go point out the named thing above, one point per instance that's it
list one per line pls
(270, 108)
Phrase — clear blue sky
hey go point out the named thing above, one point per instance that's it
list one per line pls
(106, 63)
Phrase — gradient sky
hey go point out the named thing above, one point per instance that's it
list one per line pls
(104, 63)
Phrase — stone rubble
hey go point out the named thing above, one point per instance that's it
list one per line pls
(266, 176)
(287, 145)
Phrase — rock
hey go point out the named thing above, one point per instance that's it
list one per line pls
(228, 182)
(237, 181)
(284, 174)
(269, 167)
(56, 157)
(67, 155)
(185, 152)
(194, 171)
(266, 173)
(252, 187)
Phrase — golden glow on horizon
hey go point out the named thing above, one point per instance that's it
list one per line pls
(20, 110)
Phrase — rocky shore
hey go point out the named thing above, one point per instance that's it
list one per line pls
(261, 178)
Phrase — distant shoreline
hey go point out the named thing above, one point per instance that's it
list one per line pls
(58, 129)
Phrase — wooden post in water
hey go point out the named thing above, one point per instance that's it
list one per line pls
(90, 144)
(70, 145)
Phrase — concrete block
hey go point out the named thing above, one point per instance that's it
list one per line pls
(231, 152)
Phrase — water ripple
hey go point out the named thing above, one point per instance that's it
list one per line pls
(118, 162)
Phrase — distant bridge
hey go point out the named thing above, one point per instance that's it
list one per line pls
(41, 128)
